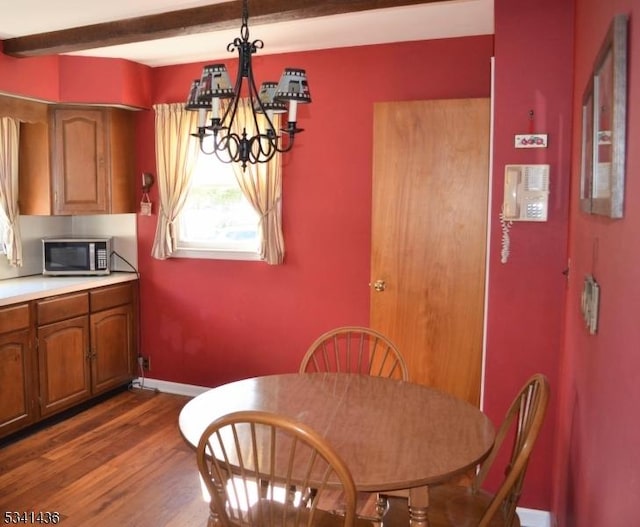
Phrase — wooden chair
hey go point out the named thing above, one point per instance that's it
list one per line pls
(457, 506)
(252, 463)
(354, 349)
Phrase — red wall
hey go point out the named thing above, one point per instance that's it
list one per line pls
(106, 81)
(533, 50)
(208, 322)
(37, 78)
(62, 78)
(597, 473)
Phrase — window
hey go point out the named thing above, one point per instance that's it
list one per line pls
(217, 221)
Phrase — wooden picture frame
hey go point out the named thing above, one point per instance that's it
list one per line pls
(586, 156)
(605, 109)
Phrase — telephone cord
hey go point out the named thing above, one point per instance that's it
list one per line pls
(506, 241)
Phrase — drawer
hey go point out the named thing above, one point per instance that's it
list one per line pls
(14, 318)
(111, 296)
(62, 307)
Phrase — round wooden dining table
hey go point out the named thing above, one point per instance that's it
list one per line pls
(393, 435)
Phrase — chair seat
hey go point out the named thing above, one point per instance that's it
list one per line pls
(455, 506)
(366, 505)
(294, 517)
(449, 506)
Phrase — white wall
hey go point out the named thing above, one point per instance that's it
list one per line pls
(122, 227)
(33, 229)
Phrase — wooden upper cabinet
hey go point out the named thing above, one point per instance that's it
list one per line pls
(80, 162)
(34, 168)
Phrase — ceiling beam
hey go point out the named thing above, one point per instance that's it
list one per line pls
(202, 19)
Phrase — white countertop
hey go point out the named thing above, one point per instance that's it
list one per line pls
(15, 290)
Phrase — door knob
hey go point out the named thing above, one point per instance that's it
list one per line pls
(379, 285)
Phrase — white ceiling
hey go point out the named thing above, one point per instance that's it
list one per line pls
(453, 18)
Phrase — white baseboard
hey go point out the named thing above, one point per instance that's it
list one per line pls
(528, 517)
(534, 517)
(190, 390)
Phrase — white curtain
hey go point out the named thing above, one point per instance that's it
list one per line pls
(176, 152)
(9, 141)
(262, 186)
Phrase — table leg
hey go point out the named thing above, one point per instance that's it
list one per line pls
(418, 507)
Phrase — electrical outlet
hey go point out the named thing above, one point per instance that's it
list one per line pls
(144, 363)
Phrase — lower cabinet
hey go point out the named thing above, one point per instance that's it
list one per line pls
(63, 363)
(111, 348)
(84, 345)
(62, 339)
(18, 407)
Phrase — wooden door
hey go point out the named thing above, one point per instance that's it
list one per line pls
(430, 188)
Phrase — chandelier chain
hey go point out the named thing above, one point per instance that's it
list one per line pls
(244, 28)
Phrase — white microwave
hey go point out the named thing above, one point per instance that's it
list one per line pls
(75, 255)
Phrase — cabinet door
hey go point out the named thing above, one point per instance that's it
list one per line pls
(63, 358)
(111, 348)
(17, 405)
(80, 161)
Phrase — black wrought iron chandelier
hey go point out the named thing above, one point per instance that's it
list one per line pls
(214, 86)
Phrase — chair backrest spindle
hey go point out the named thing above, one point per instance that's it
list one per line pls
(355, 349)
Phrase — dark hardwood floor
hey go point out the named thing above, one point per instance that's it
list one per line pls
(121, 462)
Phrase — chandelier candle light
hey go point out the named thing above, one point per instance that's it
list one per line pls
(214, 85)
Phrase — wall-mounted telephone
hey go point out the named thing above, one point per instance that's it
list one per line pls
(526, 198)
(526, 192)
